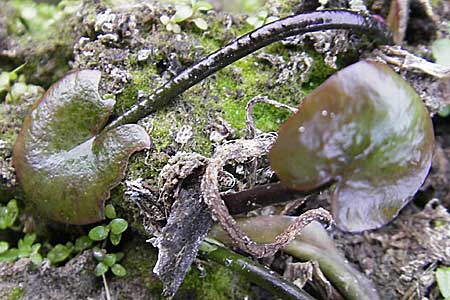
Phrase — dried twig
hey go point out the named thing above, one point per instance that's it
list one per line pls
(241, 150)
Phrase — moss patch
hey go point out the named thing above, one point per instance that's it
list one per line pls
(214, 282)
(16, 294)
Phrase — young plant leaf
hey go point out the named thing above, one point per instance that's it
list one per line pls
(82, 243)
(119, 270)
(443, 281)
(58, 254)
(101, 269)
(115, 238)
(110, 259)
(367, 130)
(65, 168)
(110, 211)
(9, 255)
(99, 233)
(3, 246)
(118, 226)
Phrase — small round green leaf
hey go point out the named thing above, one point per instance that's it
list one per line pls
(110, 259)
(82, 243)
(8, 214)
(443, 281)
(115, 238)
(202, 6)
(28, 239)
(9, 255)
(118, 270)
(118, 225)
(3, 246)
(110, 211)
(35, 248)
(164, 19)
(366, 129)
(182, 13)
(200, 23)
(24, 250)
(99, 233)
(58, 254)
(36, 258)
(101, 269)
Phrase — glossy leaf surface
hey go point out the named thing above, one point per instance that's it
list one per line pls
(64, 167)
(366, 129)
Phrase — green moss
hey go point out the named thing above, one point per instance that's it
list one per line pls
(213, 283)
(43, 35)
(319, 71)
(248, 80)
(16, 293)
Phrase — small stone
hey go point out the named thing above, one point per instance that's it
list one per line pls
(143, 54)
(184, 134)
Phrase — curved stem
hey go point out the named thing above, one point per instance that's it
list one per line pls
(313, 243)
(254, 272)
(248, 43)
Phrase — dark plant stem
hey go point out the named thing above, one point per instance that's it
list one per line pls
(248, 43)
(255, 273)
(260, 196)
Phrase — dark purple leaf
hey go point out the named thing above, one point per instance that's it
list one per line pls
(366, 129)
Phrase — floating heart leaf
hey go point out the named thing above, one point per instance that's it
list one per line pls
(366, 129)
(64, 168)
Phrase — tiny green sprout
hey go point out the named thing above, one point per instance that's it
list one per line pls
(108, 261)
(110, 211)
(118, 226)
(82, 243)
(25, 249)
(59, 253)
(8, 214)
(7, 78)
(443, 281)
(11, 254)
(185, 12)
(115, 238)
(3, 247)
(101, 269)
(119, 270)
(260, 19)
(99, 233)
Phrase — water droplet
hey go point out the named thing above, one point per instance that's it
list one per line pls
(324, 113)
(301, 129)
(228, 262)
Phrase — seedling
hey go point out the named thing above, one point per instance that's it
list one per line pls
(185, 12)
(26, 248)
